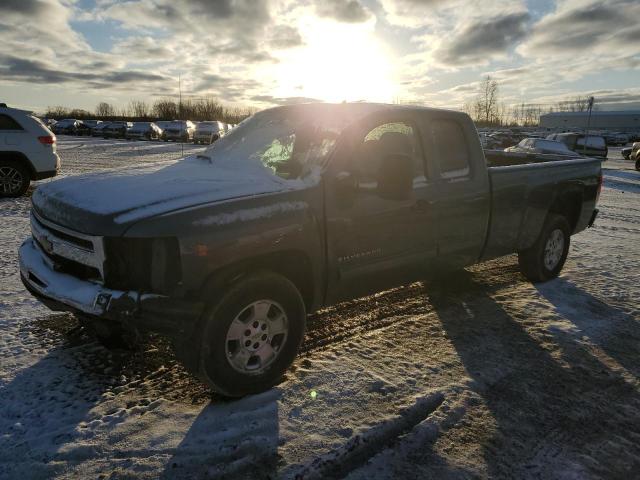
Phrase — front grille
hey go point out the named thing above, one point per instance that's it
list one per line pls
(70, 252)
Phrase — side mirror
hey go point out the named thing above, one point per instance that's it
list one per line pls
(395, 176)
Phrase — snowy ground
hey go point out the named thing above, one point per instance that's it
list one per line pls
(479, 374)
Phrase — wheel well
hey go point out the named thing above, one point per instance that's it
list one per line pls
(568, 205)
(291, 264)
(19, 157)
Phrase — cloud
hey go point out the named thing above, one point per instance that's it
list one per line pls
(284, 36)
(576, 27)
(36, 71)
(250, 51)
(411, 13)
(271, 100)
(349, 11)
(482, 40)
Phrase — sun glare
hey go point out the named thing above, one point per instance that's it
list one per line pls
(338, 62)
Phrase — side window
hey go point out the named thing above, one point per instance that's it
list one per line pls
(451, 149)
(8, 123)
(386, 147)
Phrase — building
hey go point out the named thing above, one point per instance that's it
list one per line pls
(619, 121)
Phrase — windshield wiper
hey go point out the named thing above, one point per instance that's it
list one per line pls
(205, 157)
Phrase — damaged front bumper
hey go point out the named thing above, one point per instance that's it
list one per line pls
(63, 292)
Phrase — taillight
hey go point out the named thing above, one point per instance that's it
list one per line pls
(47, 140)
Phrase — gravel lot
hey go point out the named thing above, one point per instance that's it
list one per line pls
(479, 374)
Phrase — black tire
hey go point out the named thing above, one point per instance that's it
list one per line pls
(638, 164)
(216, 350)
(538, 263)
(14, 179)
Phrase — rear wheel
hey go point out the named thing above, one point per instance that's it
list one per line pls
(545, 259)
(252, 335)
(14, 179)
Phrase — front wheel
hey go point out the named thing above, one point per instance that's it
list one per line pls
(545, 259)
(14, 179)
(252, 335)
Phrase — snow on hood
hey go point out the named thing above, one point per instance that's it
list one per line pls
(141, 192)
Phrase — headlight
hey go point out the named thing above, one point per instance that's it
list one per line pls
(142, 264)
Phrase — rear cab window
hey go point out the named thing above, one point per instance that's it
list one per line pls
(451, 149)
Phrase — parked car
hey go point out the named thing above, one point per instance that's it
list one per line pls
(488, 142)
(179, 130)
(163, 123)
(68, 126)
(538, 145)
(208, 132)
(596, 146)
(98, 130)
(616, 138)
(116, 129)
(297, 208)
(82, 129)
(27, 151)
(635, 154)
(144, 130)
(502, 140)
(92, 124)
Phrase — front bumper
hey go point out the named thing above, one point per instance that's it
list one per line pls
(63, 292)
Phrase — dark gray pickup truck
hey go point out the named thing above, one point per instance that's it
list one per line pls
(297, 208)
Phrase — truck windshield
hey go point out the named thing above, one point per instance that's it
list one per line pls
(290, 146)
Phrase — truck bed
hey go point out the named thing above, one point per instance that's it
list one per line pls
(522, 194)
(500, 158)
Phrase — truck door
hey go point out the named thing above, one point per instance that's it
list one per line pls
(379, 218)
(463, 190)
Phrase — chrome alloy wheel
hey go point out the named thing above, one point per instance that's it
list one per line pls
(553, 249)
(256, 336)
(10, 180)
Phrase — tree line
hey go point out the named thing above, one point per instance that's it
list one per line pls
(198, 109)
(487, 109)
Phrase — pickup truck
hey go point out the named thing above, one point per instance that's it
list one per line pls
(297, 208)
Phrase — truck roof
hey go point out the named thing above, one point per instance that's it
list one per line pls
(342, 114)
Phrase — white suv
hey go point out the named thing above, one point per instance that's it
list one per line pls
(27, 151)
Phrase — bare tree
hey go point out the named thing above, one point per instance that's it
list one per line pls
(487, 101)
(57, 112)
(139, 109)
(105, 109)
(165, 109)
(575, 104)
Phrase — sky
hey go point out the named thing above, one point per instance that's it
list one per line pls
(260, 53)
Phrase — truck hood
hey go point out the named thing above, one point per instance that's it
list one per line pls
(107, 203)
